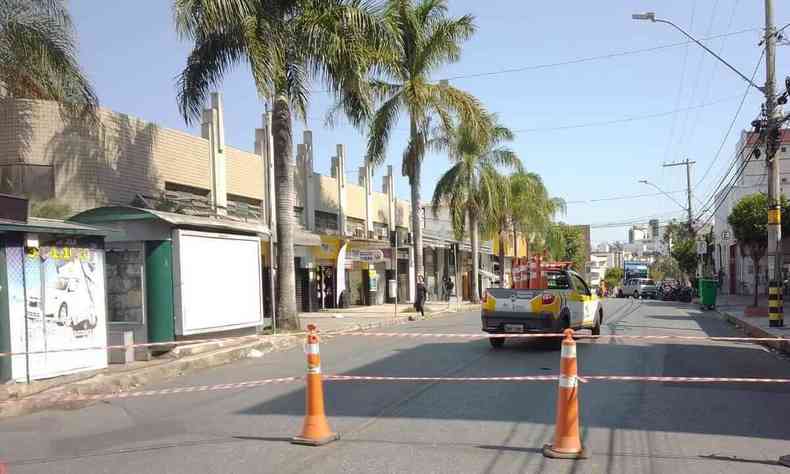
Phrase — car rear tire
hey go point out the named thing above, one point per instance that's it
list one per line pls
(496, 342)
(636, 295)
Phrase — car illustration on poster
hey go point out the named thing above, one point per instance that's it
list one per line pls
(69, 299)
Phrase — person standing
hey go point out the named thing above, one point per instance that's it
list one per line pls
(419, 300)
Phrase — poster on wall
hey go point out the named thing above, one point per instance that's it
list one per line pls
(64, 321)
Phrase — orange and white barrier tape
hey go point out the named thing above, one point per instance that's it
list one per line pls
(169, 344)
(557, 335)
(367, 378)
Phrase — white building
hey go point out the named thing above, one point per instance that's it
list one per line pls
(736, 271)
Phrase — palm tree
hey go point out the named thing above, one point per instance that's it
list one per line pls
(524, 206)
(38, 55)
(471, 187)
(428, 41)
(286, 43)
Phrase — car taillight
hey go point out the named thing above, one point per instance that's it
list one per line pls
(547, 298)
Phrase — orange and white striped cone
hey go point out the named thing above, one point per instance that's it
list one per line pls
(315, 431)
(567, 442)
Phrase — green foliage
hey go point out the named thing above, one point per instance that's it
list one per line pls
(473, 188)
(428, 39)
(685, 254)
(571, 246)
(613, 277)
(39, 54)
(665, 267)
(288, 45)
(50, 209)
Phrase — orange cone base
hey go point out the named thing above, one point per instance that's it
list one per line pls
(550, 452)
(315, 441)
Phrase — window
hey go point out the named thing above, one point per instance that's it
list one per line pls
(325, 221)
(557, 281)
(580, 285)
(186, 189)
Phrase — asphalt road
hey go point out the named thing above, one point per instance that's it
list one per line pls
(443, 427)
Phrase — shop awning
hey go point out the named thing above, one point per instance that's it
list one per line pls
(52, 226)
(113, 214)
(306, 238)
(489, 275)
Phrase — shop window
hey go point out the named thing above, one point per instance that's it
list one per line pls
(245, 207)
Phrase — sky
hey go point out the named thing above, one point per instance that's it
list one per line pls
(589, 119)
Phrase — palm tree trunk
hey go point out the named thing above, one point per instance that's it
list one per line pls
(284, 180)
(502, 235)
(416, 227)
(475, 231)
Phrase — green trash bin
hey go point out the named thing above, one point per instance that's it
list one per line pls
(707, 292)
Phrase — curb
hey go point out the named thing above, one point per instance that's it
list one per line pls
(171, 368)
(755, 331)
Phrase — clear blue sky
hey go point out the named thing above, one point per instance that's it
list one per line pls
(132, 54)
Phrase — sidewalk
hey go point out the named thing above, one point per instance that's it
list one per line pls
(367, 317)
(732, 308)
(20, 398)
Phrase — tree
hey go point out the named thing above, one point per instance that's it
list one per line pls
(472, 186)
(39, 56)
(428, 40)
(571, 247)
(523, 206)
(665, 267)
(287, 44)
(50, 209)
(750, 228)
(613, 277)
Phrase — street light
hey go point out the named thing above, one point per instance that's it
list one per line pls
(644, 181)
(652, 17)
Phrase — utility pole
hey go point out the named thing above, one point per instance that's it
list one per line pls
(687, 164)
(772, 113)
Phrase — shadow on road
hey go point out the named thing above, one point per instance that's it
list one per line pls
(722, 409)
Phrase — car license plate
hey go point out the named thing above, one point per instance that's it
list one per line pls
(514, 328)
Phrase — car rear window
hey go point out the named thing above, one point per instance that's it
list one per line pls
(557, 281)
(648, 282)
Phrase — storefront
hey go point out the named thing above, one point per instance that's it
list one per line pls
(52, 298)
(174, 276)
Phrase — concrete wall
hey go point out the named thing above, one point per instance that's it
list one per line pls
(355, 201)
(113, 162)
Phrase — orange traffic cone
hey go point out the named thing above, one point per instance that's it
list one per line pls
(567, 442)
(316, 431)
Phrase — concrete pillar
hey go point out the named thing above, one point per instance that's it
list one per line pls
(213, 130)
(340, 169)
(310, 183)
(264, 147)
(366, 181)
(388, 188)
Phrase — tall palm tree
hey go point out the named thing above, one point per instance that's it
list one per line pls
(428, 39)
(525, 207)
(38, 54)
(470, 188)
(287, 44)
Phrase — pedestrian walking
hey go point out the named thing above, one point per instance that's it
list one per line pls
(419, 300)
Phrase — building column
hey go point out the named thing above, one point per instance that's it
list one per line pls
(309, 182)
(213, 130)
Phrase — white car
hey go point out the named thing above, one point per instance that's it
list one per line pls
(70, 304)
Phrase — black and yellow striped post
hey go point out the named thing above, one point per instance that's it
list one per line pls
(775, 300)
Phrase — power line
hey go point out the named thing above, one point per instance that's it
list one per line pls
(625, 119)
(732, 122)
(622, 198)
(671, 138)
(595, 58)
(628, 52)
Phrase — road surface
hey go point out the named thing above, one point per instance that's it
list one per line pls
(443, 427)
